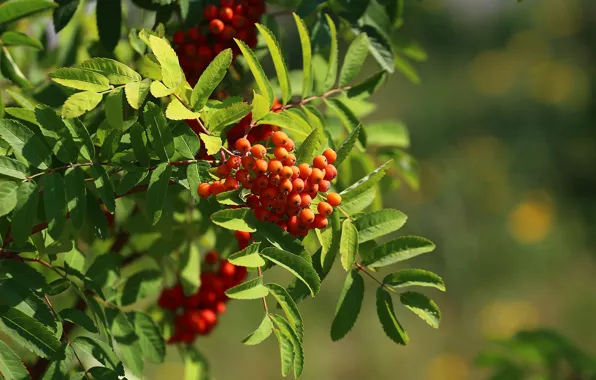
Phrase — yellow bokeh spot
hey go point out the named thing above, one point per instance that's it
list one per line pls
(551, 82)
(561, 18)
(493, 72)
(433, 5)
(531, 220)
(447, 367)
(502, 319)
(529, 47)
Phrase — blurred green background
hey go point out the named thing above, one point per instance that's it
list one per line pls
(502, 123)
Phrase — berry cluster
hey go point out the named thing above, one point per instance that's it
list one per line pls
(198, 46)
(281, 192)
(197, 314)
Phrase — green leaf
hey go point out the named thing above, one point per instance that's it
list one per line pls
(109, 19)
(347, 117)
(380, 48)
(28, 332)
(256, 69)
(259, 105)
(21, 114)
(286, 329)
(307, 81)
(159, 90)
(311, 147)
(128, 343)
(407, 69)
(150, 337)
(11, 365)
(226, 116)
(285, 122)
(56, 134)
(74, 180)
(81, 138)
(348, 246)
(210, 79)
(212, 143)
(278, 62)
(136, 92)
(249, 290)
(178, 111)
(20, 39)
(140, 285)
(296, 265)
(350, 196)
(369, 86)
(289, 307)
(58, 286)
(248, 257)
(54, 203)
(10, 69)
(333, 55)
(286, 346)
(104, 186)
(79, 318)
(379, 223)
(191, 270)
(25, 211)
(80, 79)
(194, 180)
(281, 239)
(400, 249)
(231, 198)
(260, 334)
(64, 12)
(347, 145)
(130, 180)
(388, 133)
(149, 67)
(348, 306)
(170, 68)
(23, 273)
(186, 141)
(26, 145)
(355, 57)
(330, 240)
(12, 168)
(139, 144)
(423, 307)
(113, 109)
(196, 366)
(157, 190)
(158, 132)
(240, 219)
(79, 103)
(110, 146)
(389, 322)
(116, 72)
(414, 277)
(100, 351)
(14, 10)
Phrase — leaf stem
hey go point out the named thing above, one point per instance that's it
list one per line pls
(263, 298)
(366, 272)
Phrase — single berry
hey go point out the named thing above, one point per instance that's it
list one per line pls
(242, 235)
(238, 22)
(216, 26)
(305, 200)
(231, 183)
(243, 145)
(226, 14)
(324, 208)
(280, 138)
(210, 12)
(227, 269)
(204, 190)
(330, 172)
(274, 179)
(248, 162)
(262, 181)
(307, 216)
(234, 162)
(298, 185)
(294, 199)
(242, 175)
(223, 171)
(258, 151)
(261, 166)
(289, 145)
(194, 33)
(334, 199)
(290, 160)
(270, 192)
(212, 258)
(179, 37)
(324, 186)
(275, 166)
(320, 222)
(220, 307)
(316, 176)
(280, 153)
(217, 187)
(287, 172)
(285, 186)
(305, 171)
(330, 155)
(320, 162)
(228, 33)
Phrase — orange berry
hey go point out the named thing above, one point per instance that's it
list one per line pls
(266, 202)
(298, 185)
(217, 187)
(279, 207)
(289, 145)
(305, 200)
(285, 186)
(320, 162)
(334, 199)
(242, 175)
(294, 199)
(204, 190)
(262, 213)
(223, 171)
(216, 26)
(320, 222)
(274, 179)
(292, 210)
(231, 183)
(275, 166)
(280, 153)
(324, 186)
(248, 162)
(242, 235)
(243, 145)
(324, 208)
(290, 160)
(316, 176)
(305, 170)
(279, 138)
(262, 181)
(312, 190)
(261, 166)
(295, 172)
(287, 172)
(258, 151)
(307, 216)
(270, 192)
(330, 172)
(330, 155)
(281, 198)
(234, 162)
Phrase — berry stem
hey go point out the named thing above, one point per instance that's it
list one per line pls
(344, 213)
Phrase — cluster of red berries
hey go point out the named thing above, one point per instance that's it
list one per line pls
(281, 192)
(198, 46)
(197, 314)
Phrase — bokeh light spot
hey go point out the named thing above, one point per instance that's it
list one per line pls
(447, 367)
(493, 72)
(531, 220)
(502, 319)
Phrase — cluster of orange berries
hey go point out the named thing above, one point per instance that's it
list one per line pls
(281, 192)
(197, 314)
(197, 47)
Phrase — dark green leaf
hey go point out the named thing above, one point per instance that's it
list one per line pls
(331, 77)
(100, 351)
(422, 306)
(152, 343)
(193, 175)
(56, 134)
(11, 365)
(57, 287)
(296, 265)
(140, 285)
(74, 180)
(113, 109)
(190, 273)
(397, 250)
(128, 343)
(348, 306)
(355, 57)
(138, 139)
(260, 334)
(351, 197)
(347, 117)
(226, 116)
(210, 79)
(25, 211)
(414, 277)
(81, 137)
(158, 132)
(389, 322)
(110, 146)
(347, 145)
(64, 12)
(368, 86)
(348, 246)
(311, 147)
(286, 346)
(379, 223)
(20, 39)
(130, 180)
(157, 190)
(79, 318)
(380, 48)
(109, 18)
(14, 10)
(249, 290)
(23, 273)
(104, 186)
(96, 218)
(26, 145)
(54, 203)
(289, 307)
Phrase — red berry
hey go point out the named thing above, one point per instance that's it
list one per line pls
(275, 166)
(231, 183)
(210, 12)
(287, 172)
(220, 307)
(330, 172)
(238, 22)
(242, 175)
(248, 162)
(217, 187)
(316, 176)
(204, 190)
(307, 216)
(227, 269)
(211, 257)
(280, 153)
(194, 33)
(285, 186)
(242, 235)
(290, 160)
(226, 14)
(228, 33)
(270, 192)
(216, 26)
(227, 3)
(223, 171)
(279, 138)
(324, 186)
(294, 199)
(234, 162)
(179, 37)
(261, 166)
